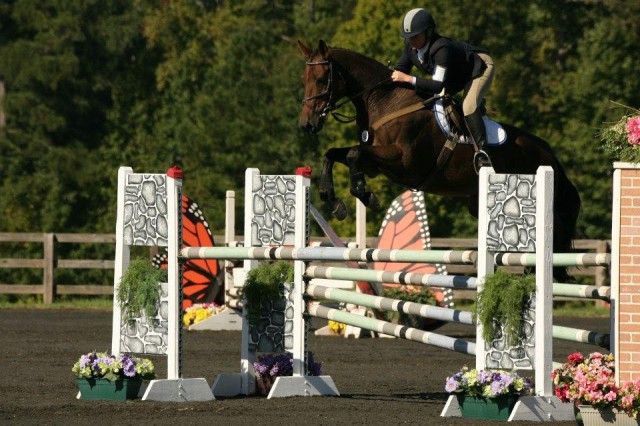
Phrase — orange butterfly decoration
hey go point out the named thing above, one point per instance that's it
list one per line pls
(405, 227)
(201, 278)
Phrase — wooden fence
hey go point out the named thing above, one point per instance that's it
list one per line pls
(51, 248)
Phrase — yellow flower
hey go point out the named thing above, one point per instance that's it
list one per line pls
(336, 327)
(201, 314)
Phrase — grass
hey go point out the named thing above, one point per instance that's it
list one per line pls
(94, 303)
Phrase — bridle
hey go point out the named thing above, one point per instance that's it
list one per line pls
(328, 92)
(330, 107)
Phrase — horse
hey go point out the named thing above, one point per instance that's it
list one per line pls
(406, 148)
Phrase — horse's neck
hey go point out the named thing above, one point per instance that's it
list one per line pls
(384, 101)
(379, 95)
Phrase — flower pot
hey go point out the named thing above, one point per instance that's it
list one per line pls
(496, 408)
(606, 416)
(118, 390)
(264, 385)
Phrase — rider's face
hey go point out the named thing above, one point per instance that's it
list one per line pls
(418, 41)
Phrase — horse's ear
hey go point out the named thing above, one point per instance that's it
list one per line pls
(306, 51)
(323, 49)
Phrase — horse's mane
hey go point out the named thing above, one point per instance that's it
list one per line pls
(373, 67)
(370, 72)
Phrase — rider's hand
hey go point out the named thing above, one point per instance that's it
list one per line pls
(400, 77)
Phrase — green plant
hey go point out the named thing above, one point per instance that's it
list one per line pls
(263, 283)
(502, 300)
(621, 140)
(415, 294)
(139, 291)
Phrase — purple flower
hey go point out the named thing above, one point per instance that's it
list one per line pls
(484, 377)
(497, 387)
(128, 367)
(84, 360)
(451, 385)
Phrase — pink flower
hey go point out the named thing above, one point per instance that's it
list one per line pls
(575, 358)
(633, 130)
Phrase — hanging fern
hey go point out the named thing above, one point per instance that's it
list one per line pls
(263, 283)
(503, 300)
(139, 290)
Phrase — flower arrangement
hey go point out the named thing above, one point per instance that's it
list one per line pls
(100, 365)
(337, 327)
(591, 381)
(198, 312)
(487, 384)
(621, 140)
(269, 367)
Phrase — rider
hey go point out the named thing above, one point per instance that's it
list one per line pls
(453, 65)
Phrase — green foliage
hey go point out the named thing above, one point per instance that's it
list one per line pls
(214, 87)
(139, 290)
(502, 300)
(422, 295)
(263, 283)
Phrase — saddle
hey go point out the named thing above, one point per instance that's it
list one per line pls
(450, 119)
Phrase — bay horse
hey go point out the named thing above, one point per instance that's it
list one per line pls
(405, 149)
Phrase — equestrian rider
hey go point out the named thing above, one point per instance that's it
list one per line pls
(453, 66)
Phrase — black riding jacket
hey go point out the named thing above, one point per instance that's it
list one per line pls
(460, 60)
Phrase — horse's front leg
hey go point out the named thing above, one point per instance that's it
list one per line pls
(327, 190)
(369, 160)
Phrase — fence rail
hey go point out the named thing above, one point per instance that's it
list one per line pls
(50, 262)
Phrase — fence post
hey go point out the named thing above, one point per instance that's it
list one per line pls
(602, 272)
(49, 264)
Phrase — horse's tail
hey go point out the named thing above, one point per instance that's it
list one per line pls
(567, 206)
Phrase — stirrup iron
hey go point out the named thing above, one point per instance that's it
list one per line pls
(481, 159)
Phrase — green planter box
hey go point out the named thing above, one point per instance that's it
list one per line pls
(118, 390)
(497, 408)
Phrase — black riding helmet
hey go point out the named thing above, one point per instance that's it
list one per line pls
(417, 21)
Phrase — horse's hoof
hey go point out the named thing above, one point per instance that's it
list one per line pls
(374, 203)
(339, 210)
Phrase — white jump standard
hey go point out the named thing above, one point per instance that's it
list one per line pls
(148, 214)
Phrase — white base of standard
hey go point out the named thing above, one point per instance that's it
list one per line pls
(178, 390)
(227, 385)
(303, 386)
(542, 409)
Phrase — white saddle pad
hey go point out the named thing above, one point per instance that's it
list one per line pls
(495, 133)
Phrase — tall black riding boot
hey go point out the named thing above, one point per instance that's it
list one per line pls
(479, 135)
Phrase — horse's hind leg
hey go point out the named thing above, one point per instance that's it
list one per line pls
(327, 190)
